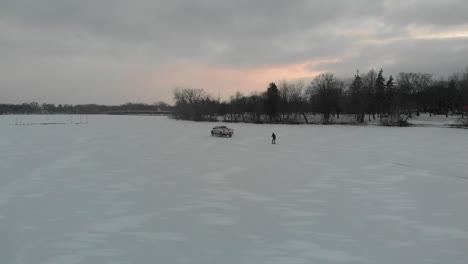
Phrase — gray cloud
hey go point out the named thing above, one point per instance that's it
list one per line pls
(441, 57)
(97, 51)
(427, 12)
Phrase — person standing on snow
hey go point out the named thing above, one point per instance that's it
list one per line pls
(273, 138)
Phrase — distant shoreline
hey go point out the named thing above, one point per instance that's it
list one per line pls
(424, 120)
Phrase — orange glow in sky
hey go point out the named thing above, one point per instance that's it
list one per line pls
(226, 81)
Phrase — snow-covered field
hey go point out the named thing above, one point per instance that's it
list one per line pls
(153, 190)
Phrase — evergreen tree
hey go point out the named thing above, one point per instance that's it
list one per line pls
(380, 93)
(390, 93)
(272, 101)
(357, 98)
(390, 96)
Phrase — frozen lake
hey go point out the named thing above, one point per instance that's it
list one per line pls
(153, 190)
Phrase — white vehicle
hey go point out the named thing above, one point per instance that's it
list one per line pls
(222, 131)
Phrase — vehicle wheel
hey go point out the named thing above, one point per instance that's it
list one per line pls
(230, 135)
(212, 133)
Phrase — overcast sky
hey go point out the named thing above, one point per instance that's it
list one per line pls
(117, 51)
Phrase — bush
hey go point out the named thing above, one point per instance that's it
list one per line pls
(397, 119)
(463, 121)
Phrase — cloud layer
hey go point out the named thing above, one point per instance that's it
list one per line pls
(114, 51)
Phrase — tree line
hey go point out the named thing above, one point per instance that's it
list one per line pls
(366, 96)
(36, 108)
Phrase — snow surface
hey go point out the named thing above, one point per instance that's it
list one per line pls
(153, 190)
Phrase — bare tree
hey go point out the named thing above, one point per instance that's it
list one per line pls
(369, 92)
(464, 90)
(325, 91)
(414, 85)
(191, 104)
(284, 99)
(298, 99)
(237, 105)
(189, 96)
